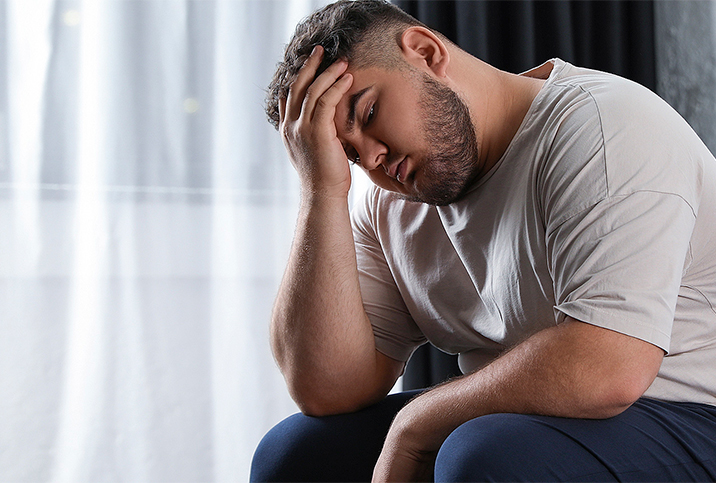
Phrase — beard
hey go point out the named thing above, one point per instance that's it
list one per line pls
(451, 164)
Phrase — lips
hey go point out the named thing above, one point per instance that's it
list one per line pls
(399, 170)
(402, 170)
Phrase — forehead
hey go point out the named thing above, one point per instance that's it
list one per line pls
(373, 76)
(363, 79)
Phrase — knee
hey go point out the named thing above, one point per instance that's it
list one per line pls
(282, 454)
(497, 447)
(332, 448)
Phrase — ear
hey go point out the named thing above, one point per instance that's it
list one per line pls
(424, 50)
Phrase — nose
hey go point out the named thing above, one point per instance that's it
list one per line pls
(373, 153)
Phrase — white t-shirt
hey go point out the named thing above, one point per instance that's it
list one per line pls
(602, 208)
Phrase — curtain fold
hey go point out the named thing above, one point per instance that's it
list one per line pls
(515, 35)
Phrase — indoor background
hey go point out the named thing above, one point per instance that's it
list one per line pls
(147, 208)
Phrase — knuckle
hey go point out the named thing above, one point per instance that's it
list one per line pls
(292, 87)
(288, 133)
(310, 93)
(297, 131)
(324, 103)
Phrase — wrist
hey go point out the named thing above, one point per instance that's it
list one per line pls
(323, 197)
(417, 426)
(430, 418)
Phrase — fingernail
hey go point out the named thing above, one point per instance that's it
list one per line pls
(315, 49)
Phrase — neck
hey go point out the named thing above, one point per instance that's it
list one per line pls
(498, 103)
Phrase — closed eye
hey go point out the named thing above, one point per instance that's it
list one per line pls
(371, 115)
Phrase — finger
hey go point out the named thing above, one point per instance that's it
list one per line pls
(325, 110)
(321, 85)
(281, 110)
(297, 89)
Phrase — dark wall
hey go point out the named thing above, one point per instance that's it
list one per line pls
(615, 36)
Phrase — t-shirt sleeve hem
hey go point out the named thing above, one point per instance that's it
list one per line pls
(607, 320)
(395, 351)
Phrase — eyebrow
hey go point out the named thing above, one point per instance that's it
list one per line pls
(352, 102)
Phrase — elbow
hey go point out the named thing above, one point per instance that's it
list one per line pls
(319, 404)
(615, 386)
(598, 405)
(627, 396)
(629, 384)
(612, 406)
(311, 402)
(617, 395)
(320, 409)
(321, 398)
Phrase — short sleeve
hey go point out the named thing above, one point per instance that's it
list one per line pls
(396, 334)
(619, 264)
(619, 203)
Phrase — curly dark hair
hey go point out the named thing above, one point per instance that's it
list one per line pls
(363, 32)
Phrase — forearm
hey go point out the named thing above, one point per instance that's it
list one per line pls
(321, 336)
(572, 370)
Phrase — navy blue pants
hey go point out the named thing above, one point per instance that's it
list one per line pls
(651, 441)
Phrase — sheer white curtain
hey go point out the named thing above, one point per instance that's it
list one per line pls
(146, 211)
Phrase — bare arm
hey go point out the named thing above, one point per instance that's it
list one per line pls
(573, 370)
(320, 334)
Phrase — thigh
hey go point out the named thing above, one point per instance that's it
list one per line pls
(651, 441)
(332, 448)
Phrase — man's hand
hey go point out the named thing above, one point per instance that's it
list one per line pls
(308, 128)
(415, 437)
(407, 456)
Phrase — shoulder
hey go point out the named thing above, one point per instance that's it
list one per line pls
(607, 136)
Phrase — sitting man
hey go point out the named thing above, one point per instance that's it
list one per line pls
(556, 229)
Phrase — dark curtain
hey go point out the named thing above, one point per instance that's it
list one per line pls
(613, 36)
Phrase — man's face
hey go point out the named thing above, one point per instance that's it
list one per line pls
(413, 135)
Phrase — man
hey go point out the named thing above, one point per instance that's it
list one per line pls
(553, 228)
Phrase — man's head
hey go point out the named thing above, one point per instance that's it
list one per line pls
(402, 117)
(362, 32)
